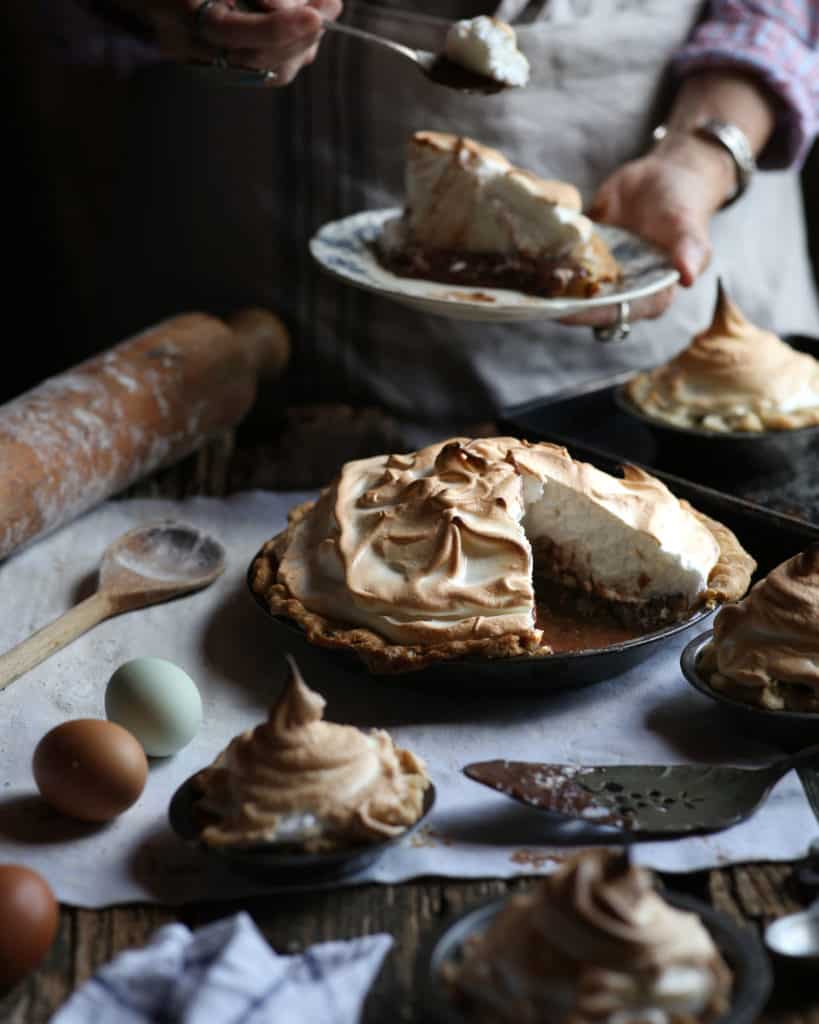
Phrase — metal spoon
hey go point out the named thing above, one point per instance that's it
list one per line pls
(147, 565)
(435, 66)
(661, 800)
(796, 936)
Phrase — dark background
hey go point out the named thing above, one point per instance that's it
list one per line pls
(61, 159)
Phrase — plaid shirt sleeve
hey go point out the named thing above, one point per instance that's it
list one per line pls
(778, 42)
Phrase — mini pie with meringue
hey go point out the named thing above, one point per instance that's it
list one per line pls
(300, 782)
(765, 648)
(439, 554)
(593, 942)
(473, 219)
(733, 377)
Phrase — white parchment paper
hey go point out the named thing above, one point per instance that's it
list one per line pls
(225, 642)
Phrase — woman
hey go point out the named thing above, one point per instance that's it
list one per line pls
(223, 185)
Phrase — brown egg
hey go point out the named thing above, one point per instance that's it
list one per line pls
(90, 769)
(29, 915)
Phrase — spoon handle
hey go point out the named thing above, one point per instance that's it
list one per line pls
(54, 636)
(368, 37)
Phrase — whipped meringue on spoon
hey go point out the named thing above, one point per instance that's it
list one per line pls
(480, 55)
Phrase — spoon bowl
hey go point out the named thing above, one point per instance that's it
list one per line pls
(796, 936)
(436, 67)
(161, 558)
(149, 564)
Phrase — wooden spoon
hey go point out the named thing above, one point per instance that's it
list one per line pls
(147, 565)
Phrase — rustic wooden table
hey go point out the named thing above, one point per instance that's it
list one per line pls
(753, 894)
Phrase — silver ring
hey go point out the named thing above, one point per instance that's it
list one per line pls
(247, 75)
(619, 330)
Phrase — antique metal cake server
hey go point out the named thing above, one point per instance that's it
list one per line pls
(655, 800)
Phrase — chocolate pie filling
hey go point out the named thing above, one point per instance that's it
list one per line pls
(545, 278)
(573, 621)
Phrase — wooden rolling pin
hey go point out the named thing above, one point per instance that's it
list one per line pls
(86, 434)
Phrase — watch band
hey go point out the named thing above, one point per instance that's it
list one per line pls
(733, 140)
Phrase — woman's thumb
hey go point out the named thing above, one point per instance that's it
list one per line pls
(690, 255)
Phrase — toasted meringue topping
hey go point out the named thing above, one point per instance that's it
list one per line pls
(733, 376)
(489, 47)
(772, 635)
(594, 942)
(437, 544)
(297, 778)
(467, 197)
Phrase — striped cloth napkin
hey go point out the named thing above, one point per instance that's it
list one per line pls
(226, 972)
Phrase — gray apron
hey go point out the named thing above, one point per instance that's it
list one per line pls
(235, 181)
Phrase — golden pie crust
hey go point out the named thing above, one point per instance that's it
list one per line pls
(728, 581)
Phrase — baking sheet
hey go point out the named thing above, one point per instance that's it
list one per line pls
(223, 640)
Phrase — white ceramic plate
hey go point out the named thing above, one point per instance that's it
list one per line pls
(345, 249)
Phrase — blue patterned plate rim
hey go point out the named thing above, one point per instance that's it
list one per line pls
(345, 249)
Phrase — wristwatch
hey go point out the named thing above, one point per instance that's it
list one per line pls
(733, 140)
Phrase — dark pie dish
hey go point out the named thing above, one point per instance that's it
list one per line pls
(785, 727)
(282, 863)
(759, 449)
(740, 948)
(541, 674)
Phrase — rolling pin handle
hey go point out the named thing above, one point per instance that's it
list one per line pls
(265, 337)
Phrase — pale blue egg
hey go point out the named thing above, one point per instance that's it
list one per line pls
(157, 702)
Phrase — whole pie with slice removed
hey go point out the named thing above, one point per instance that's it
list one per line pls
(471, 218)
(493, 547)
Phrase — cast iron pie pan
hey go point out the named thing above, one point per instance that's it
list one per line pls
(501, 676)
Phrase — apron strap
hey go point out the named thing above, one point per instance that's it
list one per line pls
(526, 12)
(521, 11)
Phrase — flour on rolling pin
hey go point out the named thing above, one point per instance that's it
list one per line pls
(86, 434)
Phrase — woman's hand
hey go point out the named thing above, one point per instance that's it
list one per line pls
(668, 198)
(277, 36)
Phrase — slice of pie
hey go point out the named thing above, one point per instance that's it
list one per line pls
(473, 219)
(447, 551)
